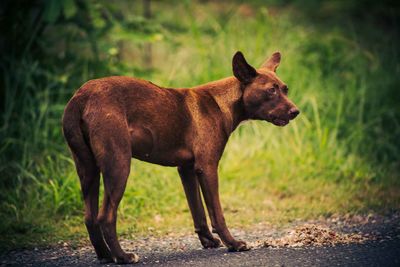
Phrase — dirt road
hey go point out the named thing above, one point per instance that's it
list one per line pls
(382, 248)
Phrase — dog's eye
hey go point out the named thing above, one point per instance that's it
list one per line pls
(271, 91)
(285, 90)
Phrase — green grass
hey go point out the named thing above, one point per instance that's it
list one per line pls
(339, 156)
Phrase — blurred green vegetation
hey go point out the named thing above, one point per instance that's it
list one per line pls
(340, 59)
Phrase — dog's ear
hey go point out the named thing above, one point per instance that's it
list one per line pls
(273, 62)
(241, 69)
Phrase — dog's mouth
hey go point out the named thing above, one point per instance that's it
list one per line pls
(280, 122)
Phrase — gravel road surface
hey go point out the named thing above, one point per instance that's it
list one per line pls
(381, 249)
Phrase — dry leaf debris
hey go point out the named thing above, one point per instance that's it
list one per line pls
(314, 235)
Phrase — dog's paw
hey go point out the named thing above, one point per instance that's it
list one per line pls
(127, 258)
(238, 246)
(210, 242)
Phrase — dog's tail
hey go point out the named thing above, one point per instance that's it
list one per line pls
(71, 124)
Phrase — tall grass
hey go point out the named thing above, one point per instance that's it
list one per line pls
(340, 155)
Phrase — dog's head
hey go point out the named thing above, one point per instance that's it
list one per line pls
(265, 96)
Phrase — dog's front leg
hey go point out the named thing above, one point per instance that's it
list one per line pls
(192, 191)
(207, 175)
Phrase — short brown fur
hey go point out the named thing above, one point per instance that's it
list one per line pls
(110, 120)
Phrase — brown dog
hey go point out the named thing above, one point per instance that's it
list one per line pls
(110, 120)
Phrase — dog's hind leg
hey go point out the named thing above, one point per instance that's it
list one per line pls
(89, 175)
(192, 191)
(114, 161)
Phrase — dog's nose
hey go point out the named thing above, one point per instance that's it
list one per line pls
(293, 112)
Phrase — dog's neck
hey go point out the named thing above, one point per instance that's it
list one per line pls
(228, 94)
